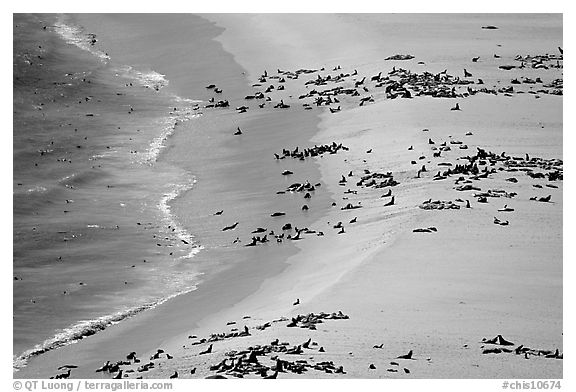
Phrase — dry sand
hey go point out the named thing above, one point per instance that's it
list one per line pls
(438, 293)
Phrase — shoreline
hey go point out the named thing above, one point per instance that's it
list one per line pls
(122, 331)
(95, 182)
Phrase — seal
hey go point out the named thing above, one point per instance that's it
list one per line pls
(62, 375)
(207, 351)
(390, 203)
(406, 356)
(231, 227)
(104, 368)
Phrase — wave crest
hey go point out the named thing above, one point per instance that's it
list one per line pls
(75, 35)
(87, 328)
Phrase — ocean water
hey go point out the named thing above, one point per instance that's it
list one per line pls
(95, 238)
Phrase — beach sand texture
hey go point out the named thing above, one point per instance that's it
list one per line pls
(442, 293)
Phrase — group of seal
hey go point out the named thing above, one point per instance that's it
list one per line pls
(397, 83)
(485, 164)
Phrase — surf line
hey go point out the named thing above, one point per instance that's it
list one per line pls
(87, 328)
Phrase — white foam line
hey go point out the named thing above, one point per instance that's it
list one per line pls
(169, 127)
(150, 79)
(170, 220)
(75, 35)
(37, 189)
(87, 328)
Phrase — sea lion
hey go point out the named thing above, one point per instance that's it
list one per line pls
(406, 356)
(387, 194)
(390, 203)
(67, 367)
(62, 375)
(207, 351)
(104, 368)
(232, 227)
(498, 340)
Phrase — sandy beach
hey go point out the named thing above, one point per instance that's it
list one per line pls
(389, 271)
